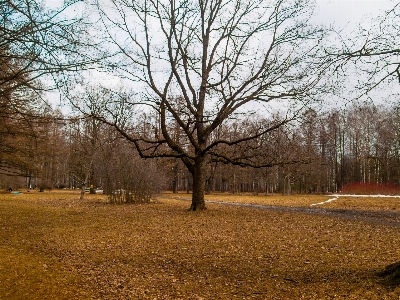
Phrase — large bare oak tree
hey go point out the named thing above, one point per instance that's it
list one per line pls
(197, 65)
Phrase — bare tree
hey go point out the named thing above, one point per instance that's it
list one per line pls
(373, 52)
(37, 44)
(201, 65)
(36, 41)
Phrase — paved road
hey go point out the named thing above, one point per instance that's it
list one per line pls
(387, 218)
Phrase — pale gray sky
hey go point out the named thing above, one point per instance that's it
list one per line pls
(343, 14)
(328, 11)
(349, 12)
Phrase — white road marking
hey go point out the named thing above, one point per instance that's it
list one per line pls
(336, 196)
(327, 201)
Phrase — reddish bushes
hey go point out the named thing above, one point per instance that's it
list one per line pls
(371, 188)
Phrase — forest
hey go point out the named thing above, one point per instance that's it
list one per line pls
(319, 153)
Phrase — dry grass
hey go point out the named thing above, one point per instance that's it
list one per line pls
(365, 203)
(54, 246)
(343, 202)
(275, 199)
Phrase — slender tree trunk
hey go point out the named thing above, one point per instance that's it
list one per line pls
(234, 183)
(175, 179)
(255, 187)
(289, 188)
(83, 187)
(29, 181)
(93, 184)
(198, 186)
(210, 184)
(82, 196)
(188, 183)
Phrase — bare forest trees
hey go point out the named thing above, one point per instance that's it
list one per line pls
(85, 143)
(101, 158)
(201, 65)
(36, 45)
(33, 40)
(327, 151)
(359, 145)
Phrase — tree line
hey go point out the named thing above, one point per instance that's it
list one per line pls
(318, 153)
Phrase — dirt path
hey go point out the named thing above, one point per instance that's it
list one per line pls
(386, 218)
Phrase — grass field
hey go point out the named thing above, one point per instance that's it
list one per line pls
(54, 246)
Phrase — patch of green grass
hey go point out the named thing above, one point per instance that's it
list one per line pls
(57, 247)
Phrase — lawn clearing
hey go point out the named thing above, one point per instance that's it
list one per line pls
(359, 202)
(54, 246)
(272, 199)
(365, 202)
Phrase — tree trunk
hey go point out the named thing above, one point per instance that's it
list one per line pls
(175, 179)
(83, 187)
(198, 186)
(255, 188)
(234, 184)
(29, 181)
(210, 182)
(82, 196)
(188, 182)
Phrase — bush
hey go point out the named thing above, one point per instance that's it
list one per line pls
(370, 188)
(45, 185)
(62, 186)
(135, 184)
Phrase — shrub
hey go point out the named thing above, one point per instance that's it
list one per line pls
(45, 185)
(370, 188)
(136, 183)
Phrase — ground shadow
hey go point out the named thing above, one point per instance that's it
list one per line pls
(390, 275)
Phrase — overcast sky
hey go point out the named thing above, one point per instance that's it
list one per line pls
(329, 11)
(349, 12)
(343, 14)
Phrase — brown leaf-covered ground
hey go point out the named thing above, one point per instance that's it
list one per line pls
(54, 246)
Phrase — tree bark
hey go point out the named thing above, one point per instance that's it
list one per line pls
(175, 179)
(83, 187)
(82, 196)
(198, 202)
